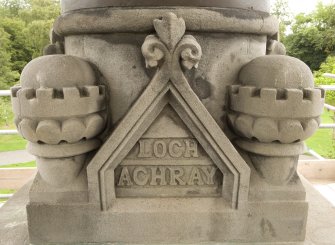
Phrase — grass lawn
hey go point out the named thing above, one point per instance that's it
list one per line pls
(6, 191)
(21, 165)
(9, 142)
(12, 143)
(322, 141)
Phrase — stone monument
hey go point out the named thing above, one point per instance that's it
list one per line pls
(173, 121)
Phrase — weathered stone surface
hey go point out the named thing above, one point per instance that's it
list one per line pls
(59, 108)
(166, 119)
(61, 171)
(275, 103)
(44, 72)
(259, 5)
(320, 223)
(215, 20)
(277, 71)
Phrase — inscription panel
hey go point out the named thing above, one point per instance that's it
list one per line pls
(173, 167)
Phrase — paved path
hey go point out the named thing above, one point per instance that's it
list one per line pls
(11, 157)
(307, 157)
(326, 188)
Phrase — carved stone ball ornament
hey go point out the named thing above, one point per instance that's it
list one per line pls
(275, 104)
(166, 122)
(60, 115)
(277, 94)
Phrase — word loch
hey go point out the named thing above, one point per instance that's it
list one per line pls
(161, 148)
(167, 167)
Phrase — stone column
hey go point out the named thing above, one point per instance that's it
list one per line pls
(175, 121)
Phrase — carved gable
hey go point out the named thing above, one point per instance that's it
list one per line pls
(168, 145)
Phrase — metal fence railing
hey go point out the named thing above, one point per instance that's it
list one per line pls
(329, 75)
(8, 132)
(5, 196)
(4, 92)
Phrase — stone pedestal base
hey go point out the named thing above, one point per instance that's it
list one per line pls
(13, 220)
(177, 221)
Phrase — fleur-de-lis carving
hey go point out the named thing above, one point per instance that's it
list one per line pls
(170, 29)
(171, 44)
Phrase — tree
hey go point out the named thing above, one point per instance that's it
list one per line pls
(281, 10)
(39, 17)
(312, 38)
(24, 31)
(7, 76)
(11, 8)
(20, 52)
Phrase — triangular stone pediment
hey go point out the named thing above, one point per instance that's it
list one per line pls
(168, 125)
(168, 147)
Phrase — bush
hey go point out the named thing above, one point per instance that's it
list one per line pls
(327, 67)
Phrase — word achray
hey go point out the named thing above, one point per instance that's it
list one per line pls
(167, 176)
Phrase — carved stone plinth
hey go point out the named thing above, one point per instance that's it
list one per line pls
(166, 124)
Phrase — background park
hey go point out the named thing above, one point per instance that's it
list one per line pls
(25, 26)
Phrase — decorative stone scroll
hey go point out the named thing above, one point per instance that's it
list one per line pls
(168, 145)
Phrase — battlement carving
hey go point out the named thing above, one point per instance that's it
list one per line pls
(68, 101)
(274, 103)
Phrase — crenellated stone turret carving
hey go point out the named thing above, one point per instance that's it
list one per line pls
(273, 111)
(60, 110)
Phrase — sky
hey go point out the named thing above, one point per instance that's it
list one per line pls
(304, 6)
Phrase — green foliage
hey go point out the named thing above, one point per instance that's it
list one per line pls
(21, 165)
(39, 17)
(327, 67)
(7, 75)
(11, 8)
(38, 31)
(12, 143)
(323, 141)
(24, 31)
(19, 52)
(7, 191)
(9, 142)
(281, 10)
(6, 114)
(312, 38)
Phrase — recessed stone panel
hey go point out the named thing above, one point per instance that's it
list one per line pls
(168, 161)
